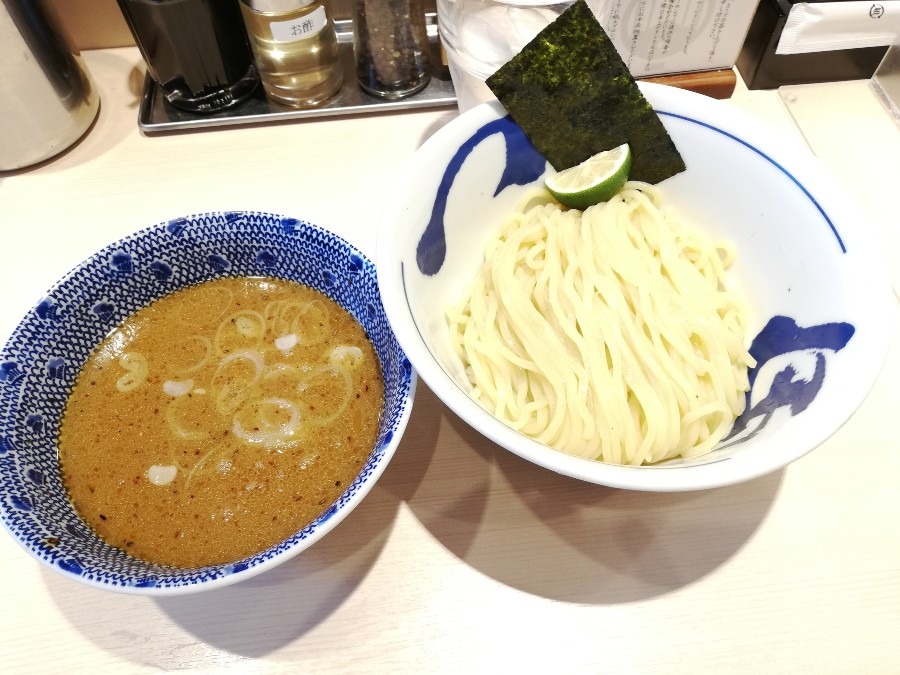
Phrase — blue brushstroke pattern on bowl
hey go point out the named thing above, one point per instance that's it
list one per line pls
(818, 291)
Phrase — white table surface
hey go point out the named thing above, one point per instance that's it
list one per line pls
(464, 558)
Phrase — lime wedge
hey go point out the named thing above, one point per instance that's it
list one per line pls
(597, 179)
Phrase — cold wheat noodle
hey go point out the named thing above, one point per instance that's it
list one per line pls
(609, 334)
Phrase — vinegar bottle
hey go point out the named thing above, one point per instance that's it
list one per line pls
(296, 50)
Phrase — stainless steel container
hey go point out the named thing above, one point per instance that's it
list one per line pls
(47, 98)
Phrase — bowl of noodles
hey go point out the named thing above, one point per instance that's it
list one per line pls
(691, 334)
(197, 403)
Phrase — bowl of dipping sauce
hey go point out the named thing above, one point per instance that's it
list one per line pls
(582, 343)
(197, 403)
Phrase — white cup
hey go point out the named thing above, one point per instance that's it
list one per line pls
(479, 36)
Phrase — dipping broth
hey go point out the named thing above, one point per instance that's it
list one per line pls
(219, 420)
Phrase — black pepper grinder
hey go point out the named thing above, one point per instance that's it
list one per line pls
(391, 47)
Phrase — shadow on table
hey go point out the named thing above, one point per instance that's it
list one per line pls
(522, 525)
(568, 540)
(264, 613)
(247, 620)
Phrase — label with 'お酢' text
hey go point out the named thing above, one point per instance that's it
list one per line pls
(301, 28)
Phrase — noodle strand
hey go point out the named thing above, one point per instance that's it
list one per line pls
(609, 334)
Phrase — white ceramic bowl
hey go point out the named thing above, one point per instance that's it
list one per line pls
(819, 293)
(40, 361)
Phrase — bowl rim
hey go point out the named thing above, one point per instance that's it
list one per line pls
(233, 571)
(789, 155)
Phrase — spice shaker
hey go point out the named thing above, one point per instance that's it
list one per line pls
(296, 50)
(196, 50)
(391, 47)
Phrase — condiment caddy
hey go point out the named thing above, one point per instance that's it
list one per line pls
(157, 115)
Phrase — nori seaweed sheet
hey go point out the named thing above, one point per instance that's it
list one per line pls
(573, 96)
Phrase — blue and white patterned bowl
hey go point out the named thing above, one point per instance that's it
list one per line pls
(39, 363)
(818, 290)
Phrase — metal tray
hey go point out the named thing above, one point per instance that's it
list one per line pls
(156, 114)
